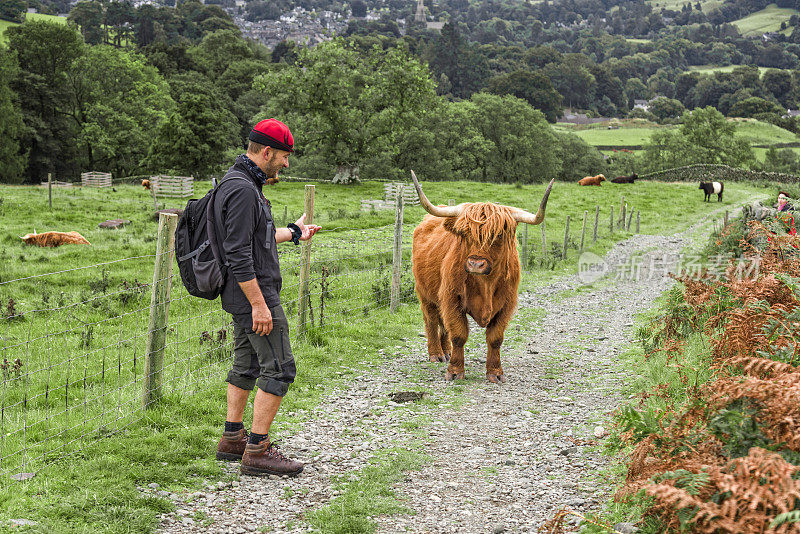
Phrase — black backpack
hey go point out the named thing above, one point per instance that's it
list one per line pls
(202, 268)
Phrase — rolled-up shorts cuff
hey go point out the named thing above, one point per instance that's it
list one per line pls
(241, 382)
(272, 386)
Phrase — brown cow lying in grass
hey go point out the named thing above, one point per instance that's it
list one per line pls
(55, 239)
(592, 180)
(624, 179)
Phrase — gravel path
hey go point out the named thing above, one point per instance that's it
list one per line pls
(501, 458)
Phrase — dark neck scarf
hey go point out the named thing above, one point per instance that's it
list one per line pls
(259, 175)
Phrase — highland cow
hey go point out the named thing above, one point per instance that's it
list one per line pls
(465, 262)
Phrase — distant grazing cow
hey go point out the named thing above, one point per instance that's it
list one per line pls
(146, 183)
(624, 179)
(592, 180)
(465, 262)
(712, 188)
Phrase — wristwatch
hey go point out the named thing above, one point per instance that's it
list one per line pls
(296, 233)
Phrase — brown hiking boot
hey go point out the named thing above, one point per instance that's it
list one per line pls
(265, 459)
(232, 444)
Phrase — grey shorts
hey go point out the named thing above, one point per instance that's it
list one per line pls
(263, 361)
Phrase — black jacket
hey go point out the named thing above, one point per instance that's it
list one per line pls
(246, 233)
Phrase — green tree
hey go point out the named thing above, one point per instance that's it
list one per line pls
(778, 82)
(705, 136)
(534, 87)
(12, 158)
(45, 52)
(666, 108)
(348, 109)
(635, 89)
(522, 146)
(125, 100)
(399, 96)
(578, 158)
(783, 160)
(89, 15)
(463, 65)
(13, 10)
(575, 83)
(217, 50)
(750, 107)
(194, 138)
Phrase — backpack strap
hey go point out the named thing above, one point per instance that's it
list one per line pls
(211, 230)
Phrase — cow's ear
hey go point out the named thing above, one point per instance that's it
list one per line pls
(450, 225)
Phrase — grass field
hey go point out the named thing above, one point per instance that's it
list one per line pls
(766, 20)
(637, 132)
(81, 334)
(676, 5)
(708, 69)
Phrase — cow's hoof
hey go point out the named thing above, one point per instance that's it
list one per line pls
(438, 357)
(453, 376)
(447, 357)
(496, 379)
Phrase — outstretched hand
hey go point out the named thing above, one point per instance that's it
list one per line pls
(308, 230)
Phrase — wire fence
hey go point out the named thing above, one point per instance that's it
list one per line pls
(77, 345)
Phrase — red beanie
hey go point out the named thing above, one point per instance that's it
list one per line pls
(274, 133)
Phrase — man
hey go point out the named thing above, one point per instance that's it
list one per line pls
(262, 356)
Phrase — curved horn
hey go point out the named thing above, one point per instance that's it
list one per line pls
(523, 216)
(438, 211)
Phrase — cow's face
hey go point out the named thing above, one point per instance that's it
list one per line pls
(702, 185)
(486, 232)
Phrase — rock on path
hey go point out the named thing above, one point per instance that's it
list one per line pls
(501, 458)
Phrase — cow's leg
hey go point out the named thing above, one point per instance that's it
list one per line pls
(495, 333)
(457, 327)
(719, 197)
(430, 313)
(447, 347)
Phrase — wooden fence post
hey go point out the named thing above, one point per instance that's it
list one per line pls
(726, 217)
(621, 219)
(524, 245)
(596, 221)
(544, 239)
(397, 255)
(583, 228)
(50, 189)
(611, 220)
(566, 236)
(630, 218)
(305, 264)
(285, 215)
(637, 221)
(159, 309)
(623, 215)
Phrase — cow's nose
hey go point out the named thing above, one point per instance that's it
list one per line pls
(477, 265)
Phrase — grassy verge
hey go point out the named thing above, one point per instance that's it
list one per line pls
(369, 495)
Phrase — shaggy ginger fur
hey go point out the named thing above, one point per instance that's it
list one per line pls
(146, 183)
(447, 292)
(55, 239)
(592, 180)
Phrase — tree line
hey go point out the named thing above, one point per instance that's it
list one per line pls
(180, 95)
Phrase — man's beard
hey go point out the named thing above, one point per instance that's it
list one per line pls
(272, 172)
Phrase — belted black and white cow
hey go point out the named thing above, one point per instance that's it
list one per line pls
(712, 188)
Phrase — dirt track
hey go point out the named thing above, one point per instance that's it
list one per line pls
(500, 458)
